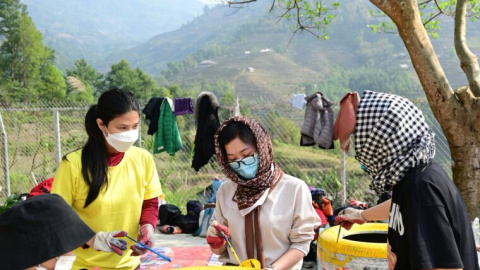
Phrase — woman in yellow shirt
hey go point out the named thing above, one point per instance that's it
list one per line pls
(111, 184)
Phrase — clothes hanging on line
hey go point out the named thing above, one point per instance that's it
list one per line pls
(167, 137)
(207, 121)
(183, 106)
(317, 127)
(298, 100)
(152, 113)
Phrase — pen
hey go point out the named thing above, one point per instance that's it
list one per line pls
(145, 246)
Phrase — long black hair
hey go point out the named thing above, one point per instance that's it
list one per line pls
(111, 104)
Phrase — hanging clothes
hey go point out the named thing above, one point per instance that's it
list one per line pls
(317, 126)
(346, 119)
(298, 100)
(167, 138)
(206, 119)
(152, 113)
(183, 106)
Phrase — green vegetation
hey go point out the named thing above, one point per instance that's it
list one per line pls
(25, 63)
(12, 200)
(254, 60)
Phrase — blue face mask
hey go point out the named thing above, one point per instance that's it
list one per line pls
(246, 168)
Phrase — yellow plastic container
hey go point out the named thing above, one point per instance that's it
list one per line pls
(361, 247)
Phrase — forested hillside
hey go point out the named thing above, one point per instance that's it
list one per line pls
(249, 53)
(93, 29)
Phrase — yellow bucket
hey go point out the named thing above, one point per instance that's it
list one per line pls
(363, 246)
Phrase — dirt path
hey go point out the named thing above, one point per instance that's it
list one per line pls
(178, 240)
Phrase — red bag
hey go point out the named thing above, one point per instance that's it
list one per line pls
(43, 187)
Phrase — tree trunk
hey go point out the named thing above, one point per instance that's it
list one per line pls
(468, 60)
(459, 118)
(466, 169)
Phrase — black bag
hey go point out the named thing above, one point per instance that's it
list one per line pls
(186, 223)
(168, 213)
(189, 222)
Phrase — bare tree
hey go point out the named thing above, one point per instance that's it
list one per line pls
(457, 111)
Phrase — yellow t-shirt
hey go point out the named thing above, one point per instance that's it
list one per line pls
(117, 207)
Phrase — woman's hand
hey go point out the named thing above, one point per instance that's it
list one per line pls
(216, 233)
(145, 236)
(349, 216)
(109, 242)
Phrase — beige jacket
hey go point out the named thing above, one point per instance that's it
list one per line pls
(287, 220)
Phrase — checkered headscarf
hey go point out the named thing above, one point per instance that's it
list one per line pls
(391, 136)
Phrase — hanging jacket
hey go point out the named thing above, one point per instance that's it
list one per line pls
(318, 122)
(152, 113)
(167, 138)
(206, 119)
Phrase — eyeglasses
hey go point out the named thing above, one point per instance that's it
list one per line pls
(246, 161)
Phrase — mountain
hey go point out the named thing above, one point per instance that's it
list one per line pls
(250, 46)
(244, 33)
(253, 27)
(92, 29)
(259, 52)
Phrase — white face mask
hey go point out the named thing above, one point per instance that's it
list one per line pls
(123, 140)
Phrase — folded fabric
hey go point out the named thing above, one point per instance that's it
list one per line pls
(183, 106)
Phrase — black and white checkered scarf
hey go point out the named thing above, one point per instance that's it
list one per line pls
(391, 136)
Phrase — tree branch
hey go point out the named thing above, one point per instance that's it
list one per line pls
(424, 2)
(406, 16)
(468, 60)
(441, 10)
(431, 18)
(465, 96)
(231, 3)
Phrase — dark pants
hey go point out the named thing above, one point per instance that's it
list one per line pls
(312, 254)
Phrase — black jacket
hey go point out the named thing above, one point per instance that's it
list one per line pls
(152, 113)
(206, 118)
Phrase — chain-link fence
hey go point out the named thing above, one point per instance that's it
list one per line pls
(35, 137)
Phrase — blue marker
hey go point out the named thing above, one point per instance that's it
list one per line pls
(145, 246)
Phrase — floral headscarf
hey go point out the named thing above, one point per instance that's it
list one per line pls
(268, 173)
